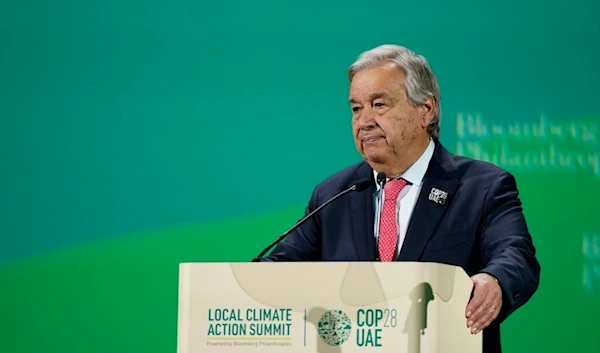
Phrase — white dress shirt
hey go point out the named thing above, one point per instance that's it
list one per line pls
(408, 196)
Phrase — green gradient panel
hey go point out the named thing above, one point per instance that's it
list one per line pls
(137, 135)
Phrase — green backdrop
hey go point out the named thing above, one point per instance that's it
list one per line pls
(135, 135)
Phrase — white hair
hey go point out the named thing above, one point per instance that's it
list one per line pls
(420, 82)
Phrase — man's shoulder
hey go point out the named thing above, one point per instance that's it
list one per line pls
(473, 167)
(473, 170)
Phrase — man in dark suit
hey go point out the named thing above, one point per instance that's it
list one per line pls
(433, 206)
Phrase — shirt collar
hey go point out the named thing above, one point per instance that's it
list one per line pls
(415, 174)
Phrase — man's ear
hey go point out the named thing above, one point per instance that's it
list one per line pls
(427, 111)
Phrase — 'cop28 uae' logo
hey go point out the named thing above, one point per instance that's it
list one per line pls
(334, 327)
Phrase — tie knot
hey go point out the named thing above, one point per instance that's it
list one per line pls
(393, 187)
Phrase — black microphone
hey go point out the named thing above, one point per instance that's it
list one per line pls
(381, 178)
(359, 186)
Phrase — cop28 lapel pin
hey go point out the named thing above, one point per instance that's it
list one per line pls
(438, 196)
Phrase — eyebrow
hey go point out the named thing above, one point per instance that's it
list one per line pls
(372, 96)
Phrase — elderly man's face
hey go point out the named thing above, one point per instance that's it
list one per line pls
(388, 130)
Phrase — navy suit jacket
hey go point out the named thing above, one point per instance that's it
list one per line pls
(480, 228)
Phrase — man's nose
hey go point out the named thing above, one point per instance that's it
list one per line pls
(366, 121)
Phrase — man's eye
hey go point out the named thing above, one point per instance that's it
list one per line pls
(378, 104)
(355, 109)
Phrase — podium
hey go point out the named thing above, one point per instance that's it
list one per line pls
(302, 307)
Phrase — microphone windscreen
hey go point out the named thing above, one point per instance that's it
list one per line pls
(381, 178)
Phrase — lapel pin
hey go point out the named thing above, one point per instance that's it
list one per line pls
(438, 196)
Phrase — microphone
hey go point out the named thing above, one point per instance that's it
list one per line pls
(359, 186)
(381, 180)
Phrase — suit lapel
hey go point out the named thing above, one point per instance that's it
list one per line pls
(425, 218)
(362, 214)
(429, 211)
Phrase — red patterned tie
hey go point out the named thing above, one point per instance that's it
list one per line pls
(388, 229)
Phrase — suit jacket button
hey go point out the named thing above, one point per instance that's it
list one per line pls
(516, 295)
